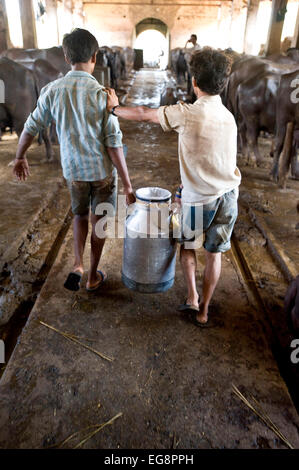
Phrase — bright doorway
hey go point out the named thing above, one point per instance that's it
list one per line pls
(152, 37)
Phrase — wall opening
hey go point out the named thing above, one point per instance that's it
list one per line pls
(152, 36)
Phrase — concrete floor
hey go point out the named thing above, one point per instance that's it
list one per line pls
(171, 380)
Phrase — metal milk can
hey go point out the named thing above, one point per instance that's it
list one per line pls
(149, 249)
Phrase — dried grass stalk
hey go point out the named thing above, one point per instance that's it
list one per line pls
(73, 338)
(97, 430)
(262, 415)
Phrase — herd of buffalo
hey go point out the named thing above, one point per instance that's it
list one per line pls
(262, 93)
(258, 93)
(26, 71)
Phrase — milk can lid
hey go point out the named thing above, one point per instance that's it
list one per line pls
(153, 194)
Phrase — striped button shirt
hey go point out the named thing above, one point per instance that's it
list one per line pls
(77, 103)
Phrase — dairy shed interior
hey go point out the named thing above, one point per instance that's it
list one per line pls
(120, 366)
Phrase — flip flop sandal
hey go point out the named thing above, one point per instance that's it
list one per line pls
(104, 279)
(73, 282)
(188, 308)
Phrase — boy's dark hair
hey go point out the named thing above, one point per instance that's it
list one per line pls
(194, 36)
(210, 69)
(79, 46)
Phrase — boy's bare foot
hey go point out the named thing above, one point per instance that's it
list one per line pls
(79, 270)
(93, 284)
(193, 301)
(202, 316)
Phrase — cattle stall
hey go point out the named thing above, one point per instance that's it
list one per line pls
(121, 123)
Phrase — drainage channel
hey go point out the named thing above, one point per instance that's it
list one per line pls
(12, 330)
(276, 328)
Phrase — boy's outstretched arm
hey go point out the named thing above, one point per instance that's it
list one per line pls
(118, 159)
(21, 167)
(139, 113)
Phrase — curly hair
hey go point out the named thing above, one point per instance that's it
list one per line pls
(210, 69)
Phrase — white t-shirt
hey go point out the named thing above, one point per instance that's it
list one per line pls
(207, 147)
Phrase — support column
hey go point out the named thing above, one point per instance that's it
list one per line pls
(4, 31)
(28, 24)
(78, 13)
(51, 10)
(276, 25)
(295, 41)
(236, 36)
(253, 7)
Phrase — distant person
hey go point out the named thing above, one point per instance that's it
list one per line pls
(286, 44)
(262, 50)
(90, 146)
(209, 175)
(192, 42)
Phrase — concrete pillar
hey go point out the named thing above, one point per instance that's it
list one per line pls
(28, 24)
(4, 31)
(276, 26)
(224, 23)
(234, 34)
(78, 13)
(253, 7)
(295, 41)
(51, 10)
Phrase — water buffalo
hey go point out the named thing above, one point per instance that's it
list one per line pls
(291, 305)
(121, 62)
(287, 111)
(243, 69)
(256, 110)
(43, 71)
(174, 53)
(261, 94)
(53, 55)
(168, 96)
(281, 58)
(129, 54)
(179, 64)
(21, 96)
(293, 53)
(112, 59)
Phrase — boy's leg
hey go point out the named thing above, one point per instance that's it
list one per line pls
(80, 230)
(102, 192)
(217, 241)
(188, 263)
(210, 280)
(80, 197)
(97, 245)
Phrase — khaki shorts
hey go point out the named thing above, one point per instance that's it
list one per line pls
(214, 223)
(86, 195)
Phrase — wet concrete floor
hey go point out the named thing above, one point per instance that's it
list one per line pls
(171, 381)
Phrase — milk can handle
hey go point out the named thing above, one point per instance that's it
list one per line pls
(132, 207)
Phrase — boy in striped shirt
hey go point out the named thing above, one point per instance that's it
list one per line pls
(90, 147)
